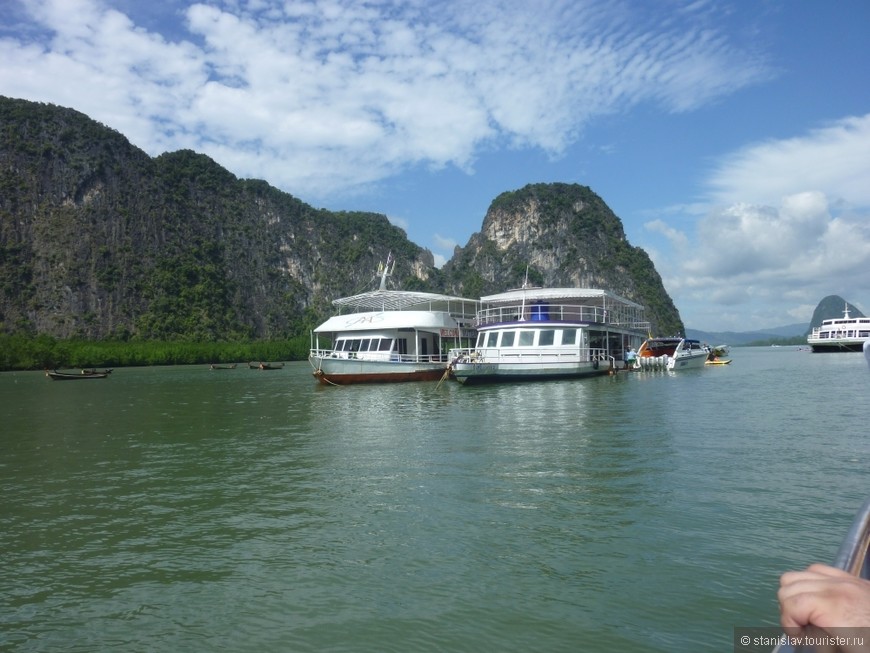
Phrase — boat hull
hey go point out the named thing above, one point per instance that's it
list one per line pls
(342, 371)
(66, 376)
(481, 373)
(834, 347)
(687, 362)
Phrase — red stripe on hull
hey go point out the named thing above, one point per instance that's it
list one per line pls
(349, 379)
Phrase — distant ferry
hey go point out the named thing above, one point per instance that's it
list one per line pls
(840, 334)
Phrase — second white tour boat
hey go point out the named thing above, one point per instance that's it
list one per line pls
(532, 334)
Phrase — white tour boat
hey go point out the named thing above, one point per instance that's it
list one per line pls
(546, 333)
(840, 334)
(390, 335)
(672, 353)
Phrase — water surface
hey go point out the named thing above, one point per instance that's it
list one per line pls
(185, 509)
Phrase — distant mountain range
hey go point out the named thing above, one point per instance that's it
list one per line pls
(746, 337)
(830, 307)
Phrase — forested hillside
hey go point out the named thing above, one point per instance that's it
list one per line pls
(100, 241)
(559, 235)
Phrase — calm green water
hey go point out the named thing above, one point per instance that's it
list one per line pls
(182, 509)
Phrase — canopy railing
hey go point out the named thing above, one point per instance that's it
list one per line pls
(852, 557)
(616, 315)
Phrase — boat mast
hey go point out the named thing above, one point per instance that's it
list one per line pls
(523, 305)
(385, 271)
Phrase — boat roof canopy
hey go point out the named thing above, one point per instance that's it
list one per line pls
(548, 294)
(397, 300)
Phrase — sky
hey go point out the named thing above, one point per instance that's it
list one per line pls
(731, 138)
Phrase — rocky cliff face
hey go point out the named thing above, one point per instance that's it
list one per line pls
(559, 235)
(99, 240)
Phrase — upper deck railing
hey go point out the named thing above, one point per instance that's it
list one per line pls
(852, 557)
(616, 316)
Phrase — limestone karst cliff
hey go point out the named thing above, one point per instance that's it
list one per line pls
(559, 235)
(99, 240)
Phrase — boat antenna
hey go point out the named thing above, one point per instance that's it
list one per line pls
(385, 271)
(525, 286)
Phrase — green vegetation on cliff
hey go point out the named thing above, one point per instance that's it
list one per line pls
(101, 242)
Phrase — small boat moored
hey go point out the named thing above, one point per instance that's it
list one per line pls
(671, 353)
(265, 366)
(54, 375)
(716, 355)
(840, 334)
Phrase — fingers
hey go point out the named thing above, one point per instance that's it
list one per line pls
(822, 596)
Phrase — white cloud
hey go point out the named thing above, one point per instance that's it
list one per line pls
(678, 239)
(758, 264)
(448, 244)
(833, 159)
(787, 223)
(322, 96)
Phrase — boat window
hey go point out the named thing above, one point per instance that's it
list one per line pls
(527, 338)
(339, 345)
(385, 344)
(507, 338)
(569, 337)
(540, 312)
(481, 338)
(364, 345)
(492, 339)
(402, 344)
(546, 337)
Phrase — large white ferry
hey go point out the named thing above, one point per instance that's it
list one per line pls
(546, 333)
(840, 334)
(390, 335)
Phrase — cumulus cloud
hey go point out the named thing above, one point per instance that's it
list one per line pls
(785, 223)
(833, 158)
(448, 244)
(775, 260)
(324, 96)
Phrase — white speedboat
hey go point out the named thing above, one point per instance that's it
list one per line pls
(533, 334)
(840, 334)
(671, 353)
(390, 335)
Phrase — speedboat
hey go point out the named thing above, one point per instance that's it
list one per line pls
(385, 336)
(840, 334)
(532, 334)
(671, 353)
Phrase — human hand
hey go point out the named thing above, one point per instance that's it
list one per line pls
(828, 598)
